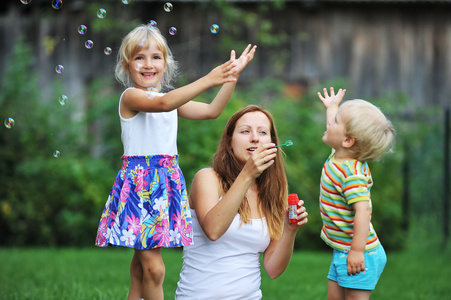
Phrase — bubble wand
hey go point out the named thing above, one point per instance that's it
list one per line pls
(287, 143)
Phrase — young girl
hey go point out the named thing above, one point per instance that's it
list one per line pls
(358, 132)
(147, 208)
(239, 210)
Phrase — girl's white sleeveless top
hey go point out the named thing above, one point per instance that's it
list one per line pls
(228, 268)
(149, 133)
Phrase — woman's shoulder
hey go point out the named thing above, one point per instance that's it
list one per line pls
(206, 177)
(205, 172)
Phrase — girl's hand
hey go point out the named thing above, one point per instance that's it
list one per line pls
(355, 262)
(332, 100)
(261, 159)
(240, 63)
(221, 74)
(301, 216)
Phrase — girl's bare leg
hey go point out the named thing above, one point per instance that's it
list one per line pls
(136, 276)
(153, 271)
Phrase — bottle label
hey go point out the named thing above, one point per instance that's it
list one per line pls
(292, 211)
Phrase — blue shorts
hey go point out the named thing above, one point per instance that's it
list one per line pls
(375, 261)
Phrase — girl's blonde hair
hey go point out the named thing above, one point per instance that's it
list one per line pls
(272, 183)
(373, 132)
(139, 38)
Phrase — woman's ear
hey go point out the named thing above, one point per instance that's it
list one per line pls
(348, 142)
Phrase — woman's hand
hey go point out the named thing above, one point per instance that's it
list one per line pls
(301, 217)
(261, 159)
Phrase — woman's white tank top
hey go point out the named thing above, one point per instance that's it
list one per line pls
(228, 268)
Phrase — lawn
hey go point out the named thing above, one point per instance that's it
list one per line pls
(94, 273)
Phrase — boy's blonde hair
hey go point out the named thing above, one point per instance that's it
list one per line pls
(137, 39)
(373, 132)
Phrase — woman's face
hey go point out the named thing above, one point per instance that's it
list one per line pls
(251, 131)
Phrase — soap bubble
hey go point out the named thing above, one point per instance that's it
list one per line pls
(82, 29)
(9, 123)
(25, 1)
(56, 154)
(214, 28)
(143, 42)
(172, 30)
(168, 7)
(138, 67)
(152, 23)
(63, 99)
(57, 4)
(107, 51)
(101, 13)
(59, 69)
(89, 44)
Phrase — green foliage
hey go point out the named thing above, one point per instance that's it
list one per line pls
(58, 201)
(45, 200)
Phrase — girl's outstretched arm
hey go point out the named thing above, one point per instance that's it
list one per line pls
(135, 100)
(203, 111)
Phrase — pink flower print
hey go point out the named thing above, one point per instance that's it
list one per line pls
(162, 233)
(103, 223)
(168, 187)
(176, 177)
(101, 239)
(177, 219)
(134, 224)
(125, 191)
(185, 231)
(113, 215)
(165, 162)
(139, 178)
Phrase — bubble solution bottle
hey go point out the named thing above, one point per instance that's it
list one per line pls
(293, 201)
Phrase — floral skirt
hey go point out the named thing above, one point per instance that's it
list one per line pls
(147, 206)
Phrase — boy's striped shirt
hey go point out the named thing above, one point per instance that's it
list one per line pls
(342, 184)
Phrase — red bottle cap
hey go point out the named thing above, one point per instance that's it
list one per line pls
(293, 197)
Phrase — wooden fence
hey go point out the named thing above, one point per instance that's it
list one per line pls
(379, 48)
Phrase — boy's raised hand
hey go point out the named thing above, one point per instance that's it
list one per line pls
(333, 99)
(240, 63)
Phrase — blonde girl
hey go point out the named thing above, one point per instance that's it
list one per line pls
(147, 208)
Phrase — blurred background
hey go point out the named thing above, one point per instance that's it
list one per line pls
(60, 134)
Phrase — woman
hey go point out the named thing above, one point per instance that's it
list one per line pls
(239, 210)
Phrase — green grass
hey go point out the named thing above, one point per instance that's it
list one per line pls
(94, 273)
